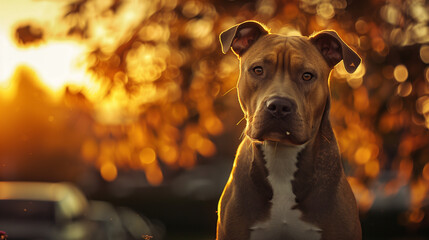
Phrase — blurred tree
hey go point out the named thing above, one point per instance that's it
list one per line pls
(163, 76)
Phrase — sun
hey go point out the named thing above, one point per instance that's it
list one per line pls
(56, 63)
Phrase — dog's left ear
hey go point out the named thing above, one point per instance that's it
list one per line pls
(334, 49)
(242, 36)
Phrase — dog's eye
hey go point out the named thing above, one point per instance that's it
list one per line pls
(307, 76)
(258, 70)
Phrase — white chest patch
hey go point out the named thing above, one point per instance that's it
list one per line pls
(284, 222)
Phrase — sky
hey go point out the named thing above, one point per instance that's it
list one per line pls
(13, 11)
(55, 63)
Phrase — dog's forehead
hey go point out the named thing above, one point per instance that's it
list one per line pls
(268, 48)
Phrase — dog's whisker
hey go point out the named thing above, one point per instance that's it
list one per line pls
(326, 138)
(242, 135)
(230, 90)
(253, 150)
(240, 120)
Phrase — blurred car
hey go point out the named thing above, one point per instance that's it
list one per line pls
(140, 227)
(36, 210)
(107, 218)
(60, 211)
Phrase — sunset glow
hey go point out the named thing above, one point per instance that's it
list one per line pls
(57, 64)
(119, 86)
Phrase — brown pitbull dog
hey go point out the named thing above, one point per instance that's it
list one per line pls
(287, 181)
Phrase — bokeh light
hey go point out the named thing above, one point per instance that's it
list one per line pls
(143, 86)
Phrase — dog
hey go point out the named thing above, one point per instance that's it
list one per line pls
(287, 180)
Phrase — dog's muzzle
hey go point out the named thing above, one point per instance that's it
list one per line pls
(277, 120)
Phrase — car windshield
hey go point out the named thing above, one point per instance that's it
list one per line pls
(25, 210)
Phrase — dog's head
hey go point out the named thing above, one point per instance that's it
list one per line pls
(283, 85)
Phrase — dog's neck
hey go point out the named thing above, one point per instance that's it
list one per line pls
(281, 159)
(281, 163)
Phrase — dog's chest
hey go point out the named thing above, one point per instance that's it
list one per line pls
(284, 222)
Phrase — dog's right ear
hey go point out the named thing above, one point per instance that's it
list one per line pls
(241, 36)
(334, 49)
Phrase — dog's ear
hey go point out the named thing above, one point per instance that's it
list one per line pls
(241, 36)
(334, 49)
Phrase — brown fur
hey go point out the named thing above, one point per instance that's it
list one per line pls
(322, 192)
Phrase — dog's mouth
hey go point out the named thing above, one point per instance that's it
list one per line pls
(275, 130)
(286, 137)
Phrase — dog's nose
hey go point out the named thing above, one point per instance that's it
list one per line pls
(279, 107)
